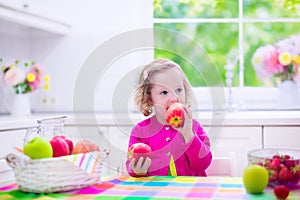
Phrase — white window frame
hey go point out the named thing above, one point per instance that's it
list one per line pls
(244, 98)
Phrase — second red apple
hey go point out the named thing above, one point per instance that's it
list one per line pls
(68, 140)
(59, 146)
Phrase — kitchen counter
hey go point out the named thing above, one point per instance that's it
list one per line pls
(249, 118)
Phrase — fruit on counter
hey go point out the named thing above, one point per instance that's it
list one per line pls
(68, 140)
(85, 146)
(282, 169)
(255, 179)
(175, 115)
(37, 148)
(59, 146)
(138, 150)
(281, 192)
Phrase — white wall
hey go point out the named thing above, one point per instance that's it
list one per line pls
(93, 22)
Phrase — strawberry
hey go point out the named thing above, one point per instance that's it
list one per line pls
(296, 176)
(290, 163)
(285, 175)
(273, 176)
(275, 164)
(260, 163)
(276, 156)
(281, 192)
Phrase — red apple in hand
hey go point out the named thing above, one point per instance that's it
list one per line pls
(175, 115)
(68, 140)
(59, 146)
(138, 150)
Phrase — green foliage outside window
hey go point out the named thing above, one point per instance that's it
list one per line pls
(219, 37)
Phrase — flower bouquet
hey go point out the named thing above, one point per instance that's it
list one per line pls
(280, 61)
(24, 79)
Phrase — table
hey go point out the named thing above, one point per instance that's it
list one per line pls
(155, 187)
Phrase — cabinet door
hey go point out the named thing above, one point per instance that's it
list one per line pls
(238, 140)
(11, 139)
(8, 141)
(281, 137)
(118, 140)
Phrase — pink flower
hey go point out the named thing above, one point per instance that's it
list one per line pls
(36, 82)
(38, 69)
(271, 62)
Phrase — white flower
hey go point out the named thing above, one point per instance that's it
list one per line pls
(14, 76)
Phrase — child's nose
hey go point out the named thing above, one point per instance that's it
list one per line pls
(173, 98)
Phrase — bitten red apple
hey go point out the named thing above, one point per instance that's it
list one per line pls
(138, 150)
(68, 140)
(175, 115)
(59, 146)
(85, 146)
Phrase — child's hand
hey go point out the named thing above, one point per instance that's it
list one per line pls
(141, 168)
(186, 130)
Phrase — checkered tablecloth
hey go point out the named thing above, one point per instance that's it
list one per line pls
(156, 187)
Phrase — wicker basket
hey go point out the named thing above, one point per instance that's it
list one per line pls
(57, 174)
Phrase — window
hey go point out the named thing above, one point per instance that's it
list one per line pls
(225, 28)
(221, 26)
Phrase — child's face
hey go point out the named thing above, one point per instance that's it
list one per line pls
(167, 88)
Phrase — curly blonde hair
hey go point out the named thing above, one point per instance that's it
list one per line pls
(143, 90)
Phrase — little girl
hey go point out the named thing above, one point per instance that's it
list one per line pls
(185, 150)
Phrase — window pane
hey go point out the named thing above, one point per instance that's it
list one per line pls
(195, 8)
(217, 39)
(261, 34)
(271, 9)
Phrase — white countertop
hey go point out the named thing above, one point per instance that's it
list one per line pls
(249, 118)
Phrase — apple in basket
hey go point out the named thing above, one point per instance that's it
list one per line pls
(68, 140)
(38, 148)
(175, 115)
(85, 146)
(138, 150)
(59, 146)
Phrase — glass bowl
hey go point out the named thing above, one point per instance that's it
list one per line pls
(283, 165)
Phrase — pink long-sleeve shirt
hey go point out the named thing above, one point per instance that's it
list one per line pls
(191, 159)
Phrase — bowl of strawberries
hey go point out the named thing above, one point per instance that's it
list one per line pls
(283, 165)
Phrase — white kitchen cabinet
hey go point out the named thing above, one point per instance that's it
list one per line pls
(281, 137)
(45, 16)
(9, 140)
(118, 138)
(238, 140)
